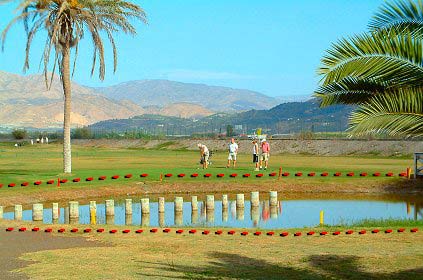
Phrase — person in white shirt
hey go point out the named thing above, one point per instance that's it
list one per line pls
(204, 153)
(233, 151)
(256, 154)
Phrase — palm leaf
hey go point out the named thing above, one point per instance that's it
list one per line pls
(389, 58)
(395, 114)
(402, 16)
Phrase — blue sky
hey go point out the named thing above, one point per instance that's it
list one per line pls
(270, 46)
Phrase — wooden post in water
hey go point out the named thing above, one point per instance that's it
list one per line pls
(55, 212)
(240, 200)
(145, 205)
(18, 212)
(161, 204)
(37, 212)
(93, 212)
(73, 212)
(1, 212)
(194, 204)
(255, 199)
(225, 202)
(273, 199)
(210, 203)
(110, 211)
(128, 206)
(179, 204)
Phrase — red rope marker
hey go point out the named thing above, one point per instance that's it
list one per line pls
(182, 175)
(257, 233)
(270, 233)
(246, 175)
(87, 230)
(76, 180)
(206, 232)
(362, 232)
(113, 231)
(375, 231)
(24, 184)
(36, 229)
(50, 182)
(363, 174)
(285, 174)
(231, 232)
(273, 174)
(89, 179)
(126, 231)
(9, 229)
(48, 230)
(244, 233)
(61, 230)
(284, 234)
(11, 185)
(311, 174)
(310, 233)
(259, 175)
(75, 230)
(220, 175)
(139, 231)
(298, 174)
(114, 177)
(192, 231)
(324, 174)
(143, 175)
(37, 183)
(336, 233)
(388, 231)
(324, 233)
(22, 229)
(102, 178)
(127, 176)
(153, 230)
(179, 231)
(297, 234)
(166, 230)
(351, 174)
(100, 230)
(349, 232)
(401, 230)
(337, 174)
(218, 232)
(414, 230)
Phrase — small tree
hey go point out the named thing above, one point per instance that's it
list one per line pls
(19, 134)
(82, 133)
(229, 130)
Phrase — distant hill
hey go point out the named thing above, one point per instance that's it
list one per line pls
(284, 118)
(25, 101)
(163, 92)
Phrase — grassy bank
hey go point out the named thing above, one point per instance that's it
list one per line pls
(195, 256)
(44, 162)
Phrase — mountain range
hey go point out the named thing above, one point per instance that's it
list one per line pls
(25, 101)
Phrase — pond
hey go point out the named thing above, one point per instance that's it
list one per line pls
(292, 213)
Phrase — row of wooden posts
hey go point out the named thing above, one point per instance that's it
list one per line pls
(72, 211)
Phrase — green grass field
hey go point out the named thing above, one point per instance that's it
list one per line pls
(44, 162)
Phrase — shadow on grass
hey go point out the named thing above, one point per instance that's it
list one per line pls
(234, 266)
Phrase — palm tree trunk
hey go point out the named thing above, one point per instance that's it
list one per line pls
(67, 154)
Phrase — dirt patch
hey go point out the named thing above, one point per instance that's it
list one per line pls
(15, 244)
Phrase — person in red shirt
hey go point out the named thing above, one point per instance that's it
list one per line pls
(265, 153)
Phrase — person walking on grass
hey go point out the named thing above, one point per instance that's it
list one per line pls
(255, 154)
(204, 155)
(265, 153)
(233, 151)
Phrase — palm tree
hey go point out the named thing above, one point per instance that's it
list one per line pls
(381, 71)
(66, 23)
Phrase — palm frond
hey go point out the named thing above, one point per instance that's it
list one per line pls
(395, 114)
(402, 16)
(383, 57)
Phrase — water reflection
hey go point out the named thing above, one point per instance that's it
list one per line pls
(296, 213)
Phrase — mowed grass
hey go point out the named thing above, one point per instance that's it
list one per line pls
(195, 256)
(44, 162)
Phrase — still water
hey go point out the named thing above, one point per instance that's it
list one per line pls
(288, 214)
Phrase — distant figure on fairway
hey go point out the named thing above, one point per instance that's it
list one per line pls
(42, 140)
(265, 153)
(204, 155)
(233, 151)
(32, 141)
(256, 155)
(46, 140)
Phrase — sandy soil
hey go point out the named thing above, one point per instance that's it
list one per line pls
(14, 244)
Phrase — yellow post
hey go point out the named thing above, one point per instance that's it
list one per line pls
(93, 212)
(322, 218)
(409, 172)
